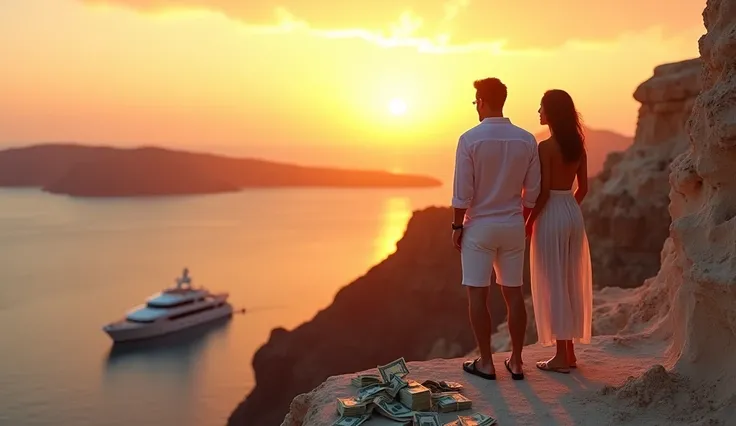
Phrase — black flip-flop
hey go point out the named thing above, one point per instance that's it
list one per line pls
(469, 367)
(515, 376)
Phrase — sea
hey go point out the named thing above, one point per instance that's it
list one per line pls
(70, 265)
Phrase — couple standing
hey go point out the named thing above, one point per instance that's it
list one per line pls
(508, 188)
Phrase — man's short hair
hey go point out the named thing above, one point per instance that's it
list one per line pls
(492, 91)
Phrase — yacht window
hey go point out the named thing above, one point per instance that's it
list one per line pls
(147, 321)
(192, 312)
(169, 305)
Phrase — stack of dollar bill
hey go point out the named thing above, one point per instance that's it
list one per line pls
(352, 407)
(416, 396)
(365, 380)
(476, 419)
(451, 401)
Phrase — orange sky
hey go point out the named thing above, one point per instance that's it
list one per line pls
(320, 72)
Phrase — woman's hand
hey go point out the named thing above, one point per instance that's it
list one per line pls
(529, 227)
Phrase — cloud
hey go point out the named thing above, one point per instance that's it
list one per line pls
(445, 24)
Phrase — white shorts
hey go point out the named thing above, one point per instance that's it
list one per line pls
(486, 247)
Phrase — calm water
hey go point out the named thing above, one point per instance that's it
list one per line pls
(68, 266)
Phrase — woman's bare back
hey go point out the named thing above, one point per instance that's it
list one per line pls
(562, 174)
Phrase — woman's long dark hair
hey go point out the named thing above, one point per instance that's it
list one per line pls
(564, 124)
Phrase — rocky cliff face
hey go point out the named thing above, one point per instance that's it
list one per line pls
(703, 318)
(626, 211)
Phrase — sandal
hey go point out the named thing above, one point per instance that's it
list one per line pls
(544, 365)
(469, 367)
(515, 376)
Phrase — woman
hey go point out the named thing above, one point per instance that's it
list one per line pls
(562, 289)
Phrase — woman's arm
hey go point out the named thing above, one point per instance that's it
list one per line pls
(582, 175)
(544, 164)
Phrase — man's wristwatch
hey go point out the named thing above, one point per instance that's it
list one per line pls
(456, 227)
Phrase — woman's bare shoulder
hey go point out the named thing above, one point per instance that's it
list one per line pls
(546, 144)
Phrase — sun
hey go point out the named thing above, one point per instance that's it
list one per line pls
(397, 106)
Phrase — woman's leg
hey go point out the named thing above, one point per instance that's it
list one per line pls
(559, 362)
(571, 358)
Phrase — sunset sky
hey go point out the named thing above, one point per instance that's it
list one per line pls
(301, 73)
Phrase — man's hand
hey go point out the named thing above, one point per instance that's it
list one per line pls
(527, 212)
(457, 237)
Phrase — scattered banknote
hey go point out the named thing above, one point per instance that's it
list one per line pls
(393, 410)
(395, 385)
(397, 367)
(426, 419)
(443, 386)
(351, 421)
(453, 402)
(416, 396)
(371, 391)
(364, 380)
(351, 407)
(476, 419)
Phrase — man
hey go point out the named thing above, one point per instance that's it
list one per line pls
(497, 181)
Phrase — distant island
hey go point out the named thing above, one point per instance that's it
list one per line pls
(96, 171)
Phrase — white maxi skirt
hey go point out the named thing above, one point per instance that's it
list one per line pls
(561, 273)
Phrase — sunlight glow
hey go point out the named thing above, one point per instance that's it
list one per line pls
(397, 106)
(396, 214)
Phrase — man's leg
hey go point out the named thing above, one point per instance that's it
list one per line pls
(510, 270)
(477, 261)
(480, 320)
(516, 309)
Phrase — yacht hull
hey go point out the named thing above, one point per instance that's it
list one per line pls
(127, 331)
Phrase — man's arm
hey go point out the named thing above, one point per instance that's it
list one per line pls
(462, 190)
(532, 183)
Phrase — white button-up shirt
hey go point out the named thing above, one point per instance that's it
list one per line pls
(496, 172)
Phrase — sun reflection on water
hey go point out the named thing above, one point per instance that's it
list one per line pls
(395, 216)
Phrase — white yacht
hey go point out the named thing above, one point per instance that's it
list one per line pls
(170, 310)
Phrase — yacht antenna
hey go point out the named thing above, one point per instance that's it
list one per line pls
(184, 279)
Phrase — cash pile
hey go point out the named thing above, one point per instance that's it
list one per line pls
(398, 398)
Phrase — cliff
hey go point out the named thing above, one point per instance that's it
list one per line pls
(676, 334)
(115, 172)
(626, 210)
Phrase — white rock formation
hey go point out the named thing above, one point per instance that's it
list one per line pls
(703, 207)
(626, 209)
